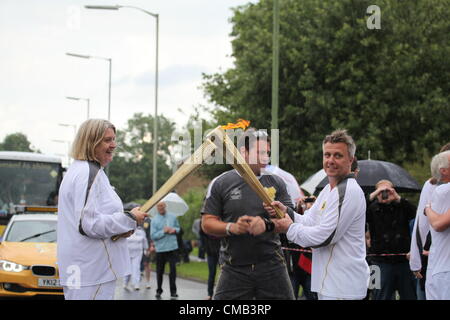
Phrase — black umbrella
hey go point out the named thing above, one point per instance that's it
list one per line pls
(372, 171)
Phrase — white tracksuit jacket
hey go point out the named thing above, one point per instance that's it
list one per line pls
(92, 258)
(335, 225)
(421, 227)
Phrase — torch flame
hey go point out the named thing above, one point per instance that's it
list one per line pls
(241, 123)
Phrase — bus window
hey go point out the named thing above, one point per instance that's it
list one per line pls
(28, 179)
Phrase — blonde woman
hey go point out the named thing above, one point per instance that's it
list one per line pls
(90, 213)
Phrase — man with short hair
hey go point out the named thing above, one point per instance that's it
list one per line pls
(253, 266)
(421, 235)
(164, 229)
(438, 213)
(334, 226)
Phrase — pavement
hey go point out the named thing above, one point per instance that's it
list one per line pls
(187, 290)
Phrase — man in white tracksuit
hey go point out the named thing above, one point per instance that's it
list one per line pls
(334, 226)
(421, 235)
(137, 244)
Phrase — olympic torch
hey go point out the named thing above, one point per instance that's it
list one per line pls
(194, 162)
(238, 163)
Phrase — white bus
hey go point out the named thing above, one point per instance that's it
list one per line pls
(26, 178)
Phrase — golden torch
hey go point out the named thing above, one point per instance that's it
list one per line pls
(238, 163)
(204, 152)
(194, 162)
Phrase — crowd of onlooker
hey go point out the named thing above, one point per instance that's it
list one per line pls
(405, 261)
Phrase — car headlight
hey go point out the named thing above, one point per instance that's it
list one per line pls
(11, 266)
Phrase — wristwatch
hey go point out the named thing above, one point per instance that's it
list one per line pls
(270, 226)
(227, 229)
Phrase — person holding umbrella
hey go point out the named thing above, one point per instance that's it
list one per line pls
(388, 217)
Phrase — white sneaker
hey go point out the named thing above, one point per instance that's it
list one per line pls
(136, 287)
(147, 285)
(126, 287)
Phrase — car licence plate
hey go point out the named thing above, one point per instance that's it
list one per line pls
(49, 283)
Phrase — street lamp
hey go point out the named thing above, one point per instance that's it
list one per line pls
(70, 125)
(68, 149)
(83, 56)
(78, 99)
(155, 125)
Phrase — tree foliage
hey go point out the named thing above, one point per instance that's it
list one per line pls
(389, 87)
(194, 198)
(16, 142)
(131, 172)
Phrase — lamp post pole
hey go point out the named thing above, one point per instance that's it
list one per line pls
(275, 83)
(155, 121)
(109, 60)
(70, 125)
(68, 149)
(109, 89)
(85, 99)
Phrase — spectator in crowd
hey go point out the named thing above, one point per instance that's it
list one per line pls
(421, 236)
(188, 249)
(291, 256)
(148, 257)
(292, 185)
(200, 239)
(164, 229)
(438, 213)
(388, 216)
(212, 248)
(137, 246)
(183, 250)
(302, 260)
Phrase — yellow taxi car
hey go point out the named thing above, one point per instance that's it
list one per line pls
(28, 257)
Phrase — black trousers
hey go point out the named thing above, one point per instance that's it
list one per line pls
(268, 280)
(161, 259)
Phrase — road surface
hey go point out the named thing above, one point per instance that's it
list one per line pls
(187, 290)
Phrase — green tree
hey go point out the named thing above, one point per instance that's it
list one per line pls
(194, 198)
(196, 122)
(131, 172)
(389, 87)
(16, 142)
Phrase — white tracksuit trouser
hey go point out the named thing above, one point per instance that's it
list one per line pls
(103, 291)
(135, 277)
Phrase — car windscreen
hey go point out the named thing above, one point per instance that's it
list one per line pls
(32, 231)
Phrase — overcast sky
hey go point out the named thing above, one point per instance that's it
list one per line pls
(36, 75)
